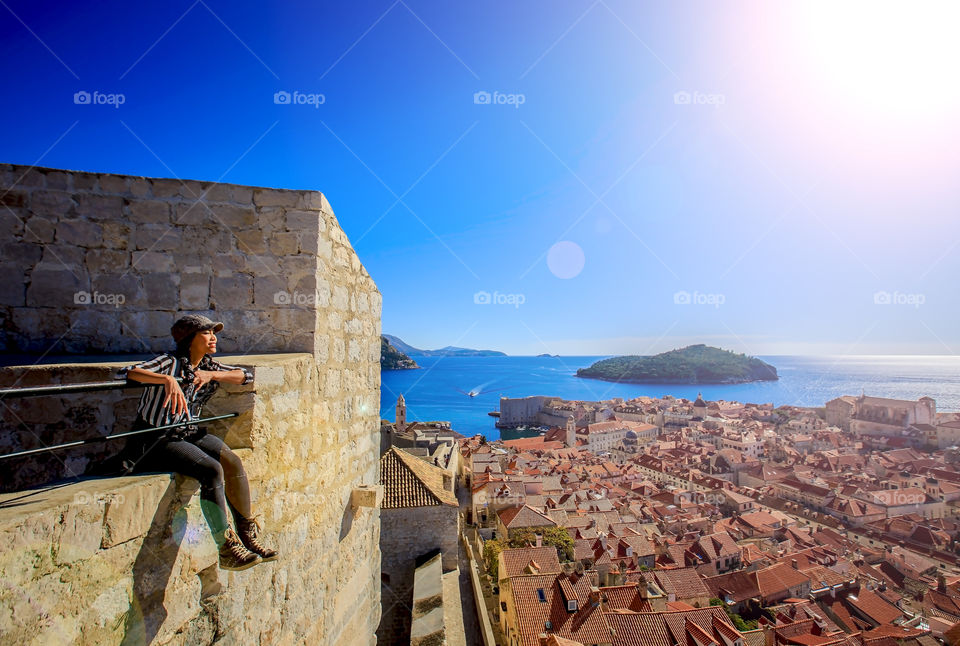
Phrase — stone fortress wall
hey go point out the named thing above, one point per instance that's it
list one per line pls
(108, 262)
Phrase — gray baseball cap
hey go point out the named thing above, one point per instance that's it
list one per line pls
(191, 324)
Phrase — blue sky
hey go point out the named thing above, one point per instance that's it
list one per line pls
(770, 179)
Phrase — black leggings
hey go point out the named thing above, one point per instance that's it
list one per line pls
(217, 468)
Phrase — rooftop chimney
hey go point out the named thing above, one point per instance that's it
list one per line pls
(539, 540)
(793, 562)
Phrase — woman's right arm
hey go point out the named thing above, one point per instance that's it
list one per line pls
(174, 395)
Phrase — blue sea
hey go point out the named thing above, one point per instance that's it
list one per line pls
(433, 391)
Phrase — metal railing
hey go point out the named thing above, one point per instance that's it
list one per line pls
(63, 389)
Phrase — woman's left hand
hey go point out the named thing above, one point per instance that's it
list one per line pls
(203, 377)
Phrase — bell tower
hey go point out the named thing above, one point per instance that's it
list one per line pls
(401, 414)
(571, 432)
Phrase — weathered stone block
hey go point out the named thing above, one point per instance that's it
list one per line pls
(22, 254)
(166, 187)
(80, 532)
(272, 197)
(192, 213)
(162, 290)
(250, 241)
(148, 324)
(272, 291)
(58, 180)
(152, 261)
(12, 290)
(116, 235)
(227, 264)
(53, 288)
(304, 221)
(119, 285)
(47, 202)
(286, 243)
(81, 233)
(113, 184)
(139, 186)
(100, 207)
(128, 515)
(232, 216)
(232, 292)
(104, 261)
(84, 181)
(194, 291)
(150, 212)
(38, 228)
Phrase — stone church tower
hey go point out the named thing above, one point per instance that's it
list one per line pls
(571, 432)
(700, 408)
(401, 414)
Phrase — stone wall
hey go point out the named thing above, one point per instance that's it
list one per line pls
(405, 535)
(82, 565)
(108, 261)
(427, 626)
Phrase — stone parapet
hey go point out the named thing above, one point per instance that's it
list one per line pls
(108, 263)
(101, 561)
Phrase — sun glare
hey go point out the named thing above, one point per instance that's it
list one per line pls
(889, 57)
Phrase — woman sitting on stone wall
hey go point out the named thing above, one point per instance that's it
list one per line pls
(189, 377)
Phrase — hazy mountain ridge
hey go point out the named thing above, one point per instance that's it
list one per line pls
(449, 350)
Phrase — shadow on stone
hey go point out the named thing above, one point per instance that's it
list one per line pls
(347, 522)
(151, 572)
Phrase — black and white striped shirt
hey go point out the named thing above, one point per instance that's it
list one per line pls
(151, 406)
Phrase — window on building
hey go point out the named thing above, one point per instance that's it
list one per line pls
(541, 597)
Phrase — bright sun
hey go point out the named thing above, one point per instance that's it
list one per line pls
(897, 58)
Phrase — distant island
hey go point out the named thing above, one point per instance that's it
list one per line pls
(545, 354)
(393, 359)
(695, 364)
(449, 351)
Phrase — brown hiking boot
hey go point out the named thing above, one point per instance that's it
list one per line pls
(249, 531)
(233, 555)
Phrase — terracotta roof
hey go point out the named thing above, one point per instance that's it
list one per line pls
(874, 607)
(779, 578)
(668, 628)
(408, 481)
(684, 583)
(625, 597)
(530, 560)
(524, 516)
(586, 625)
